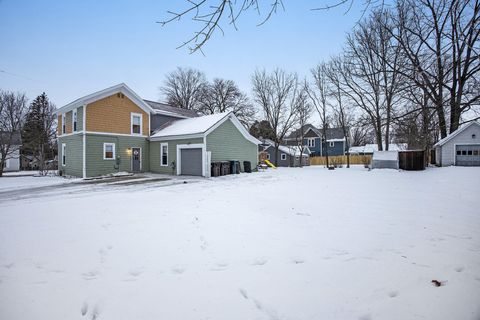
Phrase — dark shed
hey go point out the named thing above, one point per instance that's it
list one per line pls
(411, 160)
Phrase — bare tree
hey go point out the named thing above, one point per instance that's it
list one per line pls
(225, 96)
(183, 88)
(303, 112)
(343, 113)
(441, 42)
(318, 93)
(209, 15)
(12, 112)
(276, 93)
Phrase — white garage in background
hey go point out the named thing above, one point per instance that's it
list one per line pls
(461, 148)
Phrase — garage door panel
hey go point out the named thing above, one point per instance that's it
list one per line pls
(191, 162)
(467, 155)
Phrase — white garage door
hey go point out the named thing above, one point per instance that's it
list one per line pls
(467, 155)
(191, 162)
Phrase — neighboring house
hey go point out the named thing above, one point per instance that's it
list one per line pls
(115, 130)
(369, 149)
(289, 156)
(12, 162)
(461, 148)
(336, 144)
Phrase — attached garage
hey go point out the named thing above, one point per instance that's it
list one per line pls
(190, 161)
(189, 146)
(461, 148)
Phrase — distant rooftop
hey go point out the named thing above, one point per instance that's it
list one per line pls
(170, 109)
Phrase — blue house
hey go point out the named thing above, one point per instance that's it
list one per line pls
(335, 144)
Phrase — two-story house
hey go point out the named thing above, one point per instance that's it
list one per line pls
(115, 130)
(336, 144)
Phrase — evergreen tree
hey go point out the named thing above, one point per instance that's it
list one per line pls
(38, 134)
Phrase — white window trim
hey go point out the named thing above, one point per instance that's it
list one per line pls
(133, 114)
(311, 142)
(74, 120)
(64, 157)
(332, 144)
(191, 146)
(268, 156)
(283, 156)
(64, 125)
(161, 154)
(105, 144)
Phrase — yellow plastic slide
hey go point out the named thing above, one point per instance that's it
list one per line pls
(270, 164)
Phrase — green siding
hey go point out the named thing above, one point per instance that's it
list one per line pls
(227, 143)
(97, 166)
(74, 155)
(172, 153)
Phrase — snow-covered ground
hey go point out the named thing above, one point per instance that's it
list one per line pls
(283, 244)
(24, 181)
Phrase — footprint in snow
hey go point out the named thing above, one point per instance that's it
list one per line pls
(303, 214)
(459, 269)
(91, 275)
(393, 294)
(365, 317)
(259, 262)
(84, 308)
(9, 265)
(298, 261)
(178, 270)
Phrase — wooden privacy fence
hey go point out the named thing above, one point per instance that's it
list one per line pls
(341, 160)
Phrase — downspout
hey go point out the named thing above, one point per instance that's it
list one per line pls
(84, 155)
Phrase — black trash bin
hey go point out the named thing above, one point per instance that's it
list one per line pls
(234, 167)
(216, 169)
(225, 168)
(247, 166)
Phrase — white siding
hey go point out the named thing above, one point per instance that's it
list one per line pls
(13, 161)
(465, 137)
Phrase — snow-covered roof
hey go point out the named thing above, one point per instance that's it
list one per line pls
(372, 147)
(199, 126)
(455, 133)
(290, 150)
(190, 125)
(166, 109)
(385, 155)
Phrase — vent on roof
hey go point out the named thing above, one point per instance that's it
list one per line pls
(120, 95)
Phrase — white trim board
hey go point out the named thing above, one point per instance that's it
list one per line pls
(119, 88)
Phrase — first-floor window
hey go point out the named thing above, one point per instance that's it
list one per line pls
(283, 156)
(164, 154)
(64, 156)
(332, 144)
(108, 151)
(268, 156)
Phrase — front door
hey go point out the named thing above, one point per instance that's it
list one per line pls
(136, 159)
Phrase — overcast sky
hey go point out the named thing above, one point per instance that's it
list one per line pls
(72, 48)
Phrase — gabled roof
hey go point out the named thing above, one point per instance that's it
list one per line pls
(168, 109)
(122, 87)
(455, 133)
(332, 133)
(199, 126)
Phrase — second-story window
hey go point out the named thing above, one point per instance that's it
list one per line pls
(136, 125)
(311, 142)
(64, 119)
(74, 120)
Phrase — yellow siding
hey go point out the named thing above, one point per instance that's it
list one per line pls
(112, 114)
